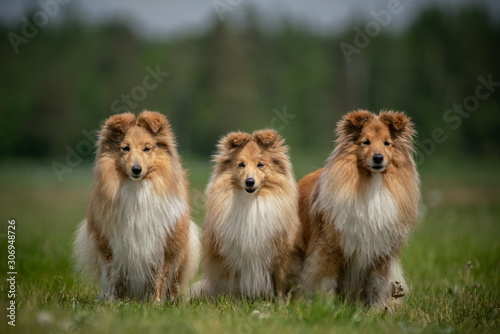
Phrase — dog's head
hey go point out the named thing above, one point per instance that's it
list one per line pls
(137, 145)
(253, 161)
(378, 141)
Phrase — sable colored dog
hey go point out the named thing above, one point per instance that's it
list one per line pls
(137, 237)
(358, 210)
(251, 232)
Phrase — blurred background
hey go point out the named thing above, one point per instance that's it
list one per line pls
(222, 65)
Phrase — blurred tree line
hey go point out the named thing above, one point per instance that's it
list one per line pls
(69, 78)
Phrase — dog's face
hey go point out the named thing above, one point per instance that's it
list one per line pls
(138, 146)
(249, 167)
(253, 162)
(137, 153)
(375, 146)
(378, 140)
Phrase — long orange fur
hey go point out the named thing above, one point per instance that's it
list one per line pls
(137, 238)
(251, 235)
(356, 217)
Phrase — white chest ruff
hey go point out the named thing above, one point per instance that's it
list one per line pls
(367, 224)
(246, 235)
(141, 223)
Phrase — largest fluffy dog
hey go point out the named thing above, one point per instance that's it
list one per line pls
(137, 237)
(251, 232)
(358, 210)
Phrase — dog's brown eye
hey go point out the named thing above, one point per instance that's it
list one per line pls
(366, 142)
(126, 148)
(147, 149)
(386, 143)
(241, 165)
(260, 165)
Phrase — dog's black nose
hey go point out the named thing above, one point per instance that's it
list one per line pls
(250, 182)
(136, 169)
(378, 158)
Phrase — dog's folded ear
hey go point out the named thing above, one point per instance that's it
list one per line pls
(153, 121)
(352, 123)
(114, 129)
(267, 138)
(116, 126)
(396, 121)
(234, 140)
(119, 123)
(401, 128)
(356, 119)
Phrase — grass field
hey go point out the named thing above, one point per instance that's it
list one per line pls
(452, 263)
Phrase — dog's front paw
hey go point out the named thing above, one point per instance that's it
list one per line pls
(397, 290)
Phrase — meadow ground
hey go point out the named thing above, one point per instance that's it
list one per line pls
(452, 263)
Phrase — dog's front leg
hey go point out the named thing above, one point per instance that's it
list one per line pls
(378, 286)
(111, 283)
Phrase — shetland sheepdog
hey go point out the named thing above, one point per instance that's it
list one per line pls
(251, 245)
(137, 238)
(358, 210)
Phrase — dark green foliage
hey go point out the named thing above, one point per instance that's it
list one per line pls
(66, 80)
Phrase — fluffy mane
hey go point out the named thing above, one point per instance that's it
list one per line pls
(343, 171)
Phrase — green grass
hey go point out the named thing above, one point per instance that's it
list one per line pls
(452, 263)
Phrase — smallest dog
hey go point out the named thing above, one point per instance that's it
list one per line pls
(357, 212)
(138, 239)
(251, 231)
